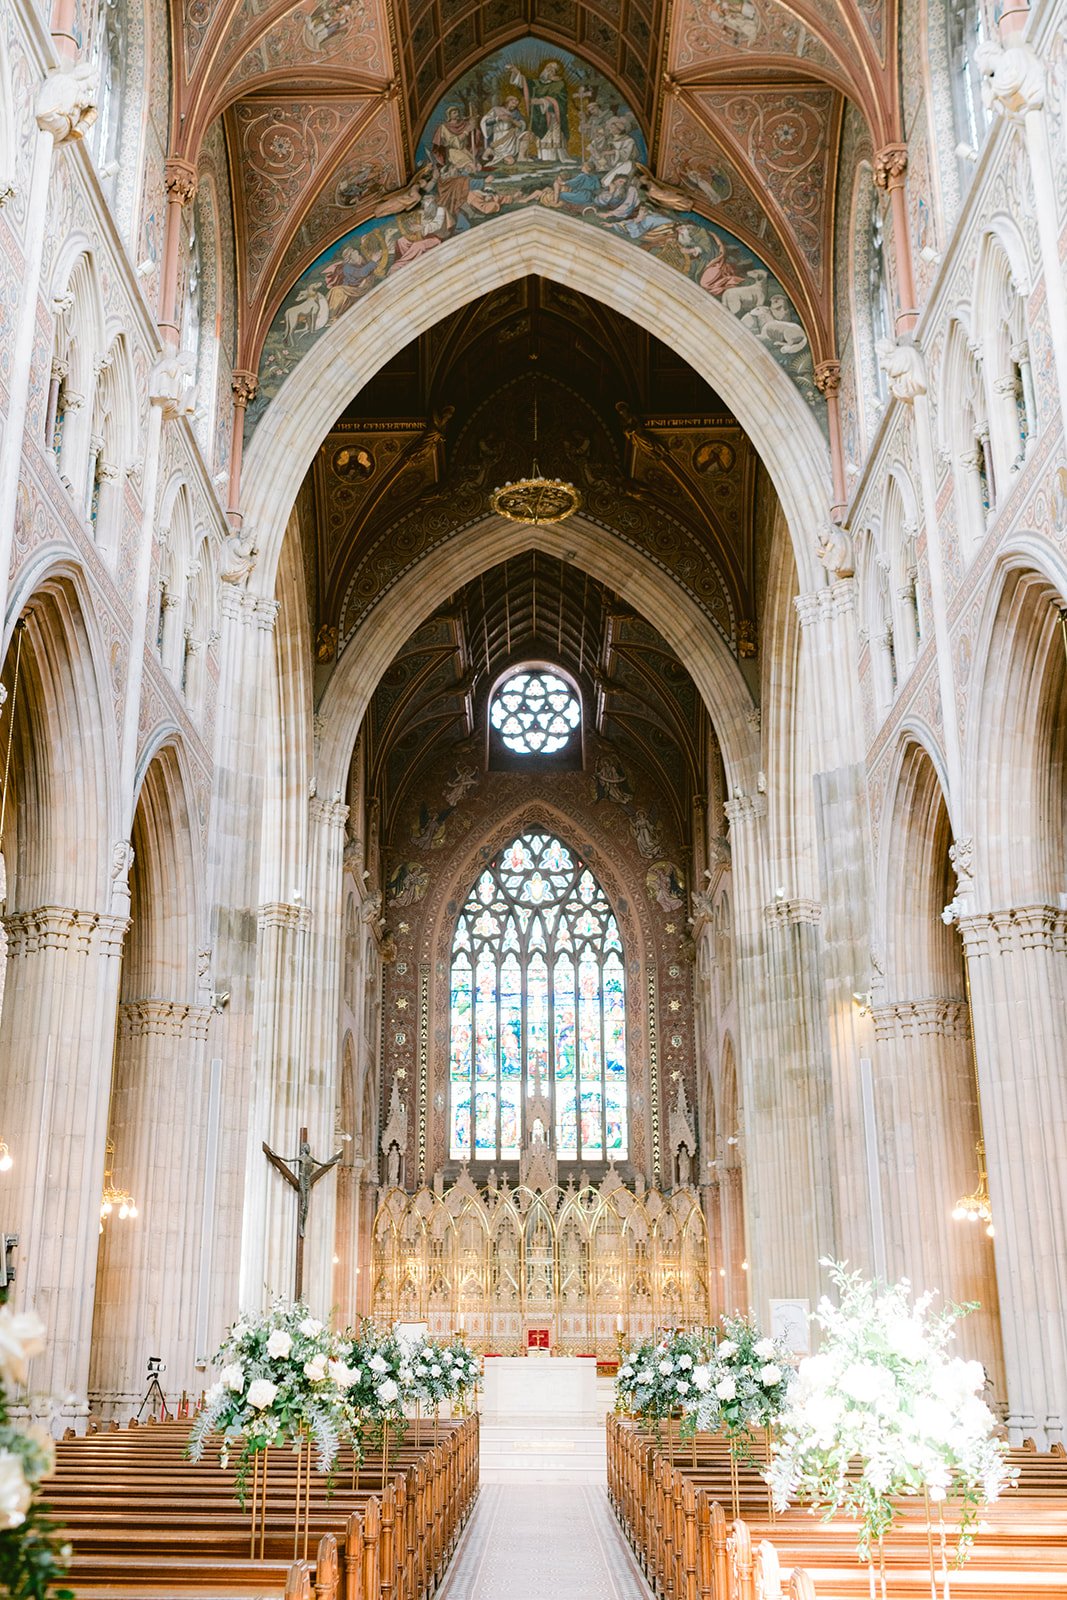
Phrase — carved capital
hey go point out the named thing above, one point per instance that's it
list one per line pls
(828, 377)
(904, 368)
(787, 913)
(1013, 78)
(745, 808)
(179, 180)
(244, 386)
(64, 928)
(822, 605)
(281, 914)
(167, 1019)
(1019, 929)
(911, 1019)
(66, 103)
(890, 166)
(331, 813)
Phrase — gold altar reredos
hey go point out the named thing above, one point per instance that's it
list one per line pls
(498, 1260)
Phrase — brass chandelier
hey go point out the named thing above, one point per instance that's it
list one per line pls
(536, 500)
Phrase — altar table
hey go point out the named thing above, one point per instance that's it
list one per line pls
(553, 1388)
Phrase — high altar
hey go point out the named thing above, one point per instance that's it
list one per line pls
(530, 1388)
(587, 1262)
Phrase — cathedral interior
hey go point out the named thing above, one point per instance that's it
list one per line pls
(629, 897)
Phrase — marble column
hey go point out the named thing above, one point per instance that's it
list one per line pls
(149, 1265)
(927, 1129)
(785, 1123)
(1017, 961)
(322, 1000)
(57, 1037)
(235, 844)
(830, 643)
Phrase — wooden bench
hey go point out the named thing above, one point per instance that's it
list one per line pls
(671, 1499)
(143, 1519)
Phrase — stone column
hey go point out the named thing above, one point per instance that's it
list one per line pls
(1017, 961)
(244, 386)
(57, 1037)
(148, 1269)
(322, 1000)
(180, 183)
(828, 383)
(279, 1104)
(66, 110)
(234, 849)
(830, 643)
(927, 1122)
(890, 174)
(782, 1063)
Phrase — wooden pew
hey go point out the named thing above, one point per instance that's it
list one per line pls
(138, 1512)
(671, 1500)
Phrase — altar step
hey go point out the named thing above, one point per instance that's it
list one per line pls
(570, 1451)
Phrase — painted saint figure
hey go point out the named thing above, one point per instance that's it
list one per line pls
(503, 129)
(546, 110)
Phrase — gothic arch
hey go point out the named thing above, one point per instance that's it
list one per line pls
(1017, 733)
(765, 401)
(429, 581)
(156, 1116)
(925, 1096)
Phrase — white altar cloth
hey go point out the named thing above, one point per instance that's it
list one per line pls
(523, 1386)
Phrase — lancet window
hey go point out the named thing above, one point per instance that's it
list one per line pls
(538, 1009)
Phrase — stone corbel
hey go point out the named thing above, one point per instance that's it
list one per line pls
(1013, 79)
(66, 103)
(904, 368)
(171, 386)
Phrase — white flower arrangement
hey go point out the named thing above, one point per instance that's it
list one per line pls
(883, 1391)
(283, 1378)
(33, 1558)
(660, 1378)
(744, 1385)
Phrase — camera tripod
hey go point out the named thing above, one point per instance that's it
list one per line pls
(151, 1395)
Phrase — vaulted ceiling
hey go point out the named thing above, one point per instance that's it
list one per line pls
(324, 101)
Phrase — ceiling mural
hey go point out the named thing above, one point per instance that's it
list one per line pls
(532, 126)
(363, 133)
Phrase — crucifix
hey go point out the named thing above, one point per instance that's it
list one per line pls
(307, 1173)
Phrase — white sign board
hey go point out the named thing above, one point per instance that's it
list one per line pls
(789, 1322)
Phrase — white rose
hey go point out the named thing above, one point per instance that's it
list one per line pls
(682, 1386)
(770, 1375)
(378, 1364)
(21, 1336)
(626, 1372)
(387, 1392)
(279, 1344)
(685, 1362)
(645, 1375)
(309, 1327)
(315, 1370)
(233, 1378)
(726, 1388)
(727, 1349)
(665, 1368)
(354, 1374)
(763, 1349)
(340, 1375)
(702, 1378)
(905, 1338)
(865, 1382)
(436, 1371)
(215, 1393)
(261, 1392)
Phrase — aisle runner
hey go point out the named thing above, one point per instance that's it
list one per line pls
(540, 1542)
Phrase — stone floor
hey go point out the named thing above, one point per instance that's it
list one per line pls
(537, 1541)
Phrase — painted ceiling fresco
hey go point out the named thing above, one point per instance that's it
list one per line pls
(533, 126)
(332, 106)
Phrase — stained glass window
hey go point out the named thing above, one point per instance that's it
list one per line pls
(538, 1006)
(535, 713)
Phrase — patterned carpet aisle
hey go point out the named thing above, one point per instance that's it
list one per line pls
(543, 1542)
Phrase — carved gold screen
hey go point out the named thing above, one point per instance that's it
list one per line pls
(496, 1262)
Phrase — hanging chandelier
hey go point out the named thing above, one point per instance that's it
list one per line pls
(113, 1198)
(536, 499)
(976, 1207)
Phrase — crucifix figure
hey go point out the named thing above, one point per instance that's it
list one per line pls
(307, 1173)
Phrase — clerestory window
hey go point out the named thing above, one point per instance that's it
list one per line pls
(538, 1009)
(535, 713)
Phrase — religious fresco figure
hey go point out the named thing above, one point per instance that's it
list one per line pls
(546, 109)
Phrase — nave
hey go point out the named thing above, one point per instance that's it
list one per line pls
(544, 1542)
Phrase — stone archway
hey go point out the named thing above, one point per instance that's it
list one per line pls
(766, 403)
